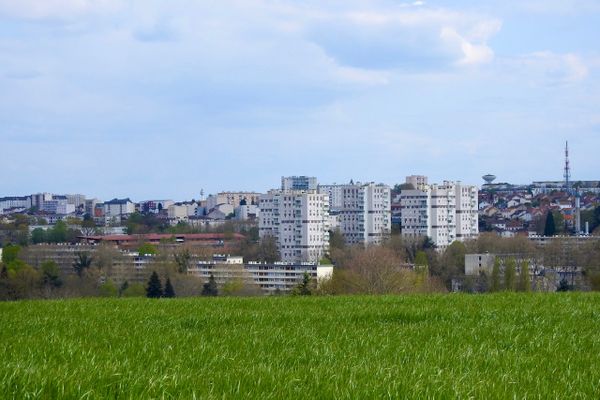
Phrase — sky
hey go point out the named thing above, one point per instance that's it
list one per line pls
(153, 99)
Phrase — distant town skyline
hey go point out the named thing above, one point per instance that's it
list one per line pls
(150, 100)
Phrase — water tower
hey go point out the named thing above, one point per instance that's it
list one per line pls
(489, 178)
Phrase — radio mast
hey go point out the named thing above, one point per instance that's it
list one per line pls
(567, 169)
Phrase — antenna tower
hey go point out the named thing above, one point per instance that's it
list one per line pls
(567, 169)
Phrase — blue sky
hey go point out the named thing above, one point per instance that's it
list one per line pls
(157, 99)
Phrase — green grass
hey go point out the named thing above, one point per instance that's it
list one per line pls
(447, 346)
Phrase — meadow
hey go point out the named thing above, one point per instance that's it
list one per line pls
(421, 346)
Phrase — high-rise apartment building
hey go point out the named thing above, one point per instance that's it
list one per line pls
(467, 212)
(363, 211)
(299, 221)
(445, 212)
(298, 183)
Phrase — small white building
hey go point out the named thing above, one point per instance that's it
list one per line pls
(247, 212)
(181, 212)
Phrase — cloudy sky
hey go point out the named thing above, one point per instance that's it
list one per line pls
(159, 99)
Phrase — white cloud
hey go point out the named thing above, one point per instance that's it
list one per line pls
(391, 37)
(56, 9)
(547, 68)
(472, 54)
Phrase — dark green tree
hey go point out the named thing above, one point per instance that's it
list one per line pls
(304, 287)
(50, 274)
(428, 243)
(169, 291)
(123, 288)
(210, 288)
(10, 253)
(336, 240)
(38, 235)
(58, 234)
(83, 261)
(549, 227)
(154, 288)
(563, 285)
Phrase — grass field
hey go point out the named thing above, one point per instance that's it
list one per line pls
(446, 346)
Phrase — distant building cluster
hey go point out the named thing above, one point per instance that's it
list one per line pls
(510, 210)
(444, 212)
(299, 216)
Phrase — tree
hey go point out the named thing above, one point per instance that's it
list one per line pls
(134, 290)
(169, 291)
(374, 270)
(38, 235)
(88, 226)
(495, 278)
(428, 243)
(58, 234)
(451, 265)
(267, 250)
(509, 275)
(108, 289)
(421, 268)
(304, 287)
(10, 253)
(524, 280)
(421, 259)
(83, 262)
(336, 240)
(210, 287)
(22, 281)
(50, 275)
(147, 248)
(563, 286)
(549, 227)
(123, 288)
(183, 261)
(154, 288)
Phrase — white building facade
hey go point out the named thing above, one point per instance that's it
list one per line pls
(14, 202)
(363, 211)
(445, 212)
(61, 206)
(299, 221)
(117, 208)
(270, 277)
